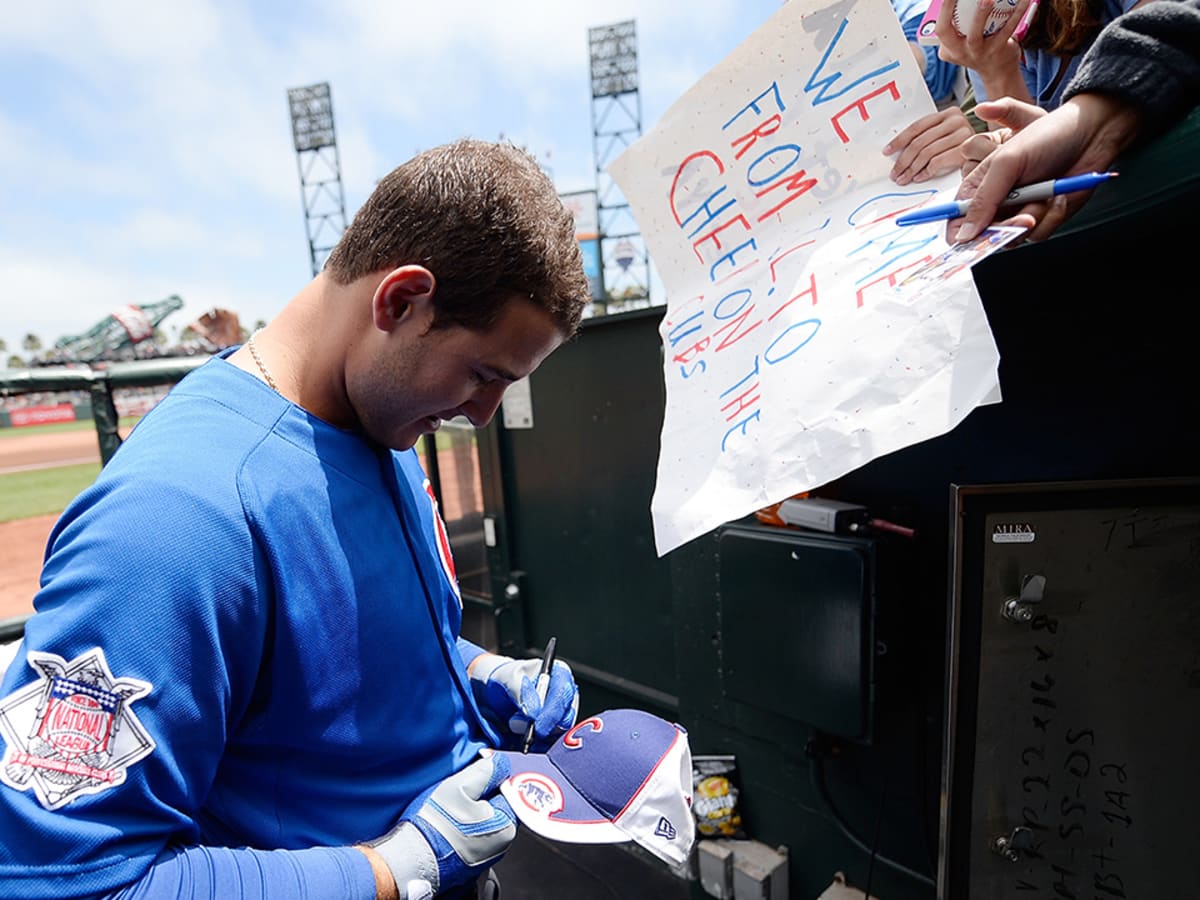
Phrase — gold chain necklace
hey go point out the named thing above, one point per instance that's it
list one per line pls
(262, 367)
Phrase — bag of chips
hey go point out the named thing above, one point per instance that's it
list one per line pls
(715, 792)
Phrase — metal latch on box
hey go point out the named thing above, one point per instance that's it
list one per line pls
(1020, 608)
(1010, 846)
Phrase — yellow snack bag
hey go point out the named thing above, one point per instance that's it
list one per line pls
(715, 792)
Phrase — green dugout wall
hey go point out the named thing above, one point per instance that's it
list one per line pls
(733, 661)
(824, 662)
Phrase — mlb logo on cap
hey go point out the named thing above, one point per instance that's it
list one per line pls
(621, 775)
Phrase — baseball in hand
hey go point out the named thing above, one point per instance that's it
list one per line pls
(966, 10)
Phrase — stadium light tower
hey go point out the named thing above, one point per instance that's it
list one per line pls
(617, 123)
(320, 169)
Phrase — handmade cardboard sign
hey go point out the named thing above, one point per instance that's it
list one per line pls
(793, 353)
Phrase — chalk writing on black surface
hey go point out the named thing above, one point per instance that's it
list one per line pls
(1076, 802)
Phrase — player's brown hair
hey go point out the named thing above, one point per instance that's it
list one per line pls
(485, 220)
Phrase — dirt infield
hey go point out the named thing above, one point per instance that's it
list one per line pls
(45, 449)
(23, 542)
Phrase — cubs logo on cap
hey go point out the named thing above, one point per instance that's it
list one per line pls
(621, 775)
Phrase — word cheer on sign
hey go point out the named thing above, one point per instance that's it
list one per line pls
(800, 340)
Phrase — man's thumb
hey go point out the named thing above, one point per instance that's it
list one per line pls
(1008, 113)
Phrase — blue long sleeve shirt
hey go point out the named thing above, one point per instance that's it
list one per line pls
(243, 660)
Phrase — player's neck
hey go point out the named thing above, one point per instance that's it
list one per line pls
(305, 348)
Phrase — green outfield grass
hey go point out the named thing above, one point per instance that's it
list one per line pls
(42, 491)
(78, 425)
(53, 427)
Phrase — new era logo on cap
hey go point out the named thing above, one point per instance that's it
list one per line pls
(621, 775)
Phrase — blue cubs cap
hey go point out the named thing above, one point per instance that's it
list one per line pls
(621, 775)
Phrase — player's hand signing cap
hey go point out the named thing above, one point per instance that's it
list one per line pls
(506, 690)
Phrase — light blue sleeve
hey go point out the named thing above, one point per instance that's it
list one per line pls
(977, 86)
(1047, 75)
(939, 74)
(218, 873)
(468, 651)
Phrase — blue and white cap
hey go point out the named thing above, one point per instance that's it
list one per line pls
(621, 775)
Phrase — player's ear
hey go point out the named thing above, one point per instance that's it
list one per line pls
(404, 294)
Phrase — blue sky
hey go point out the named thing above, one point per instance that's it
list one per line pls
(146, 148)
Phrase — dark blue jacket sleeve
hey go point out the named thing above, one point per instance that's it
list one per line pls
(1149, 57)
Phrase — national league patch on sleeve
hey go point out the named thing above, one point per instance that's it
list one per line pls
(71, 732)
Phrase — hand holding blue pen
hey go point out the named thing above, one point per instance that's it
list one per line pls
(543, 682)
(1032, 193)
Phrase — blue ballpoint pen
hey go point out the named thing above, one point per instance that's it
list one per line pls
(1043, 190)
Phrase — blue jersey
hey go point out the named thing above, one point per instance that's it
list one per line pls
(939, 74)
(246, 638)
(1047, 75)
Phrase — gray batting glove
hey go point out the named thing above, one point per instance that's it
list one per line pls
(507, 692)
(452, 832)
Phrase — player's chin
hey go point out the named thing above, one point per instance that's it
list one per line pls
(403, 440)
(407, 437)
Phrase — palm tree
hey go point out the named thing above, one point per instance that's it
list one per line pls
(32, 343)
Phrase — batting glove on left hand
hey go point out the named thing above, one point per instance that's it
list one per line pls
(452, 832)
(506, 690)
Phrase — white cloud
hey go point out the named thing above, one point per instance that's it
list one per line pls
(35, 158)
(137, 34)
(55, 296)
(52, 296)
(149, 149)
